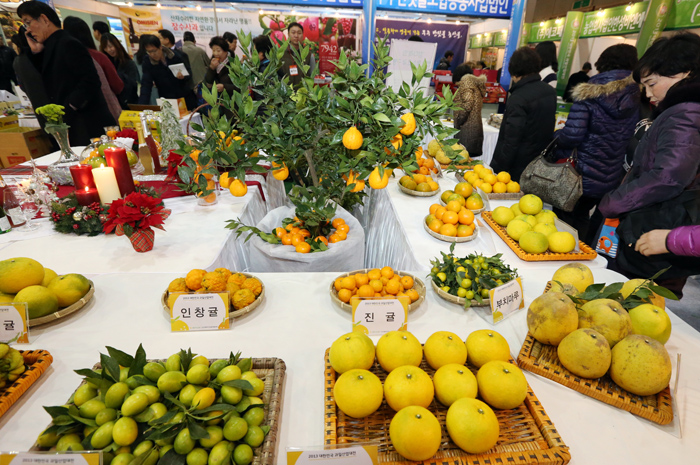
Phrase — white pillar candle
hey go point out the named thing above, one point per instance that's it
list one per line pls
(106, 183)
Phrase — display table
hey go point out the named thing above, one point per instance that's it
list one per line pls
(396, 236)
(490, 141)
(297, 322)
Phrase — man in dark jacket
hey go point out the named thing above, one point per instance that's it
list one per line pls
(289, 65)
(67, 71)
(7, 72)
(576, 79)
(528, 122)
(156, 71)
(446, 61)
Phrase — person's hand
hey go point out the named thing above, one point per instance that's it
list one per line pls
(653, 242)
(214, 63)
(180, 75)
(35, 46)
(219, 87)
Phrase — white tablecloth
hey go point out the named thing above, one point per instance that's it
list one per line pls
(297, 322)
(490, 140)
(32, 122)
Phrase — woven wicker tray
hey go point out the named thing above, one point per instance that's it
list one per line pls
(231, 314)
(457, 239)
(36, 361)
(586, 252)
(272, 372)
(542, 359)
(416, 193)
(458, 300)
(34, 322)
(527, 434)
(418, 285)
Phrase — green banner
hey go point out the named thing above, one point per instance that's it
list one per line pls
(614, 21)
(567, 48)
(684, 14)
(500, 38)
(546, 30)
(481, 40)
(654, 23)
(525, 34)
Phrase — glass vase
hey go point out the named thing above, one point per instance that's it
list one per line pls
(59, 170)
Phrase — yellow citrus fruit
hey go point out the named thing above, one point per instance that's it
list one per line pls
(178, 285)
(410, 125)
(225, 272)
(503, 177)
(194, 279)
(350, 351)
(472, 425)
(237, 278)
(501, 384)
(408, 385)
(387, 272)
(349, 283)
(359, 183)
(513, 187)
(443, 348)
(491, 179)
(49, 274)
(238, 188)
(224, 181)
(69, 288)
(448, 230)
(352, 139)
(486, 187)
(253, 284)
(214, 282)
(636, 284)
(40, 300)
(18, 273)
(485, 345)
(377, 181)
(280, 173)
(398, 348)
(243, 298)
(358, 393)
(179, 325)
(454, 381)
(499, 188)
(344, 295)
(475, 203)
(415, 433)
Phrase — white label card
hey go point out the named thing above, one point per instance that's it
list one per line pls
(200, 312)
(379, 316)
(506, 299)
(13, 323)
(354, 455)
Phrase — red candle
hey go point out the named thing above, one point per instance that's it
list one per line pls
(117, 159)
(87, 196)
(82, 176)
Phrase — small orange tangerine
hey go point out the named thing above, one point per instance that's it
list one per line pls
(337, 222)
(333, 238)
(413, 294)
(439, 212)
(361, 279)
(343, 228)
(376, 285)
(407, 282)
(348, 282)
(337, 284)
(341, 235)
(303, 247)
(297, 239)
(287, 239)
(435, 225)
(466, 216)
(448, 230)
(374, 274)
(365, 291)
(305, 233)
(279, 232)
(392, 287)
(344, 295)
(433, 208)
(387, 272)
(450, 217)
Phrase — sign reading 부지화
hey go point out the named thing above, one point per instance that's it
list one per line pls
(684, 14)
(13, 323)
(353, 455)
(198, 312)
(483, 8)
(614, 21)
(52, 458)
(550, 30)
(506, 299)
(378, 316)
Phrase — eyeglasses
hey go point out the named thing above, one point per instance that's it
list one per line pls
(152, 51)
(28, 23)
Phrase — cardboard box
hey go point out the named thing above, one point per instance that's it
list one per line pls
(494, 93)
(9, 121)
(22, 144)
(130, 119)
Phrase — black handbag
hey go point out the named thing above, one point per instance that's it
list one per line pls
(558, 184)
(682, 210)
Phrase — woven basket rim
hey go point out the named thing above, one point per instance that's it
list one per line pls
(455, 299)
(456, 239)
(34, 322)
(418, 284)
(416, 193)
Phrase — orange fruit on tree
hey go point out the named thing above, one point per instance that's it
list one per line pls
(238, 188)
(387, 272)
(303, 247)
(466, 216)
(359, 183)
(435, 225)
(225, 181)
(280, 173)
(321, 239)
(448, 230)
(280, 231)
(304, 233)
(410, 124)
(397, 141)
(428, 163)
(352, 139)
(377, 181)
(450, 217)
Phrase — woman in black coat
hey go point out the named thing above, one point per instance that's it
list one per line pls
(126, 67)
(156, 71)
(218, 70)
(528, 122)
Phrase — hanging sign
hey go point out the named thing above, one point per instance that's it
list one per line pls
(550, 30)
(482, 8)
(614, 21)
(684, 14)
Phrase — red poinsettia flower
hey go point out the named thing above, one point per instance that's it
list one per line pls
(136, 211)
(128, 133)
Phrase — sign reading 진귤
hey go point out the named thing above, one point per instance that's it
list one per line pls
(375, 316)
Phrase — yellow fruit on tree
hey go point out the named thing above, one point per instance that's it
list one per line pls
(359, 183)
(415, 433)
(398, 348)
(238, 188)
(40, 300)
(408, 385)
(350, 351)
(501, 384)
(377, 181)
(280, 173)
(225, 181)
(352, 139)
(454, 381)
(443, 348)
(18, 273)
(410, 126)
(358, 393)
(69, 288)
(472, 425)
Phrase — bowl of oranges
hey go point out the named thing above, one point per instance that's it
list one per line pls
(377, 283)
(418, 185)
(469, 197)
(497, 186)
(246, 292)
